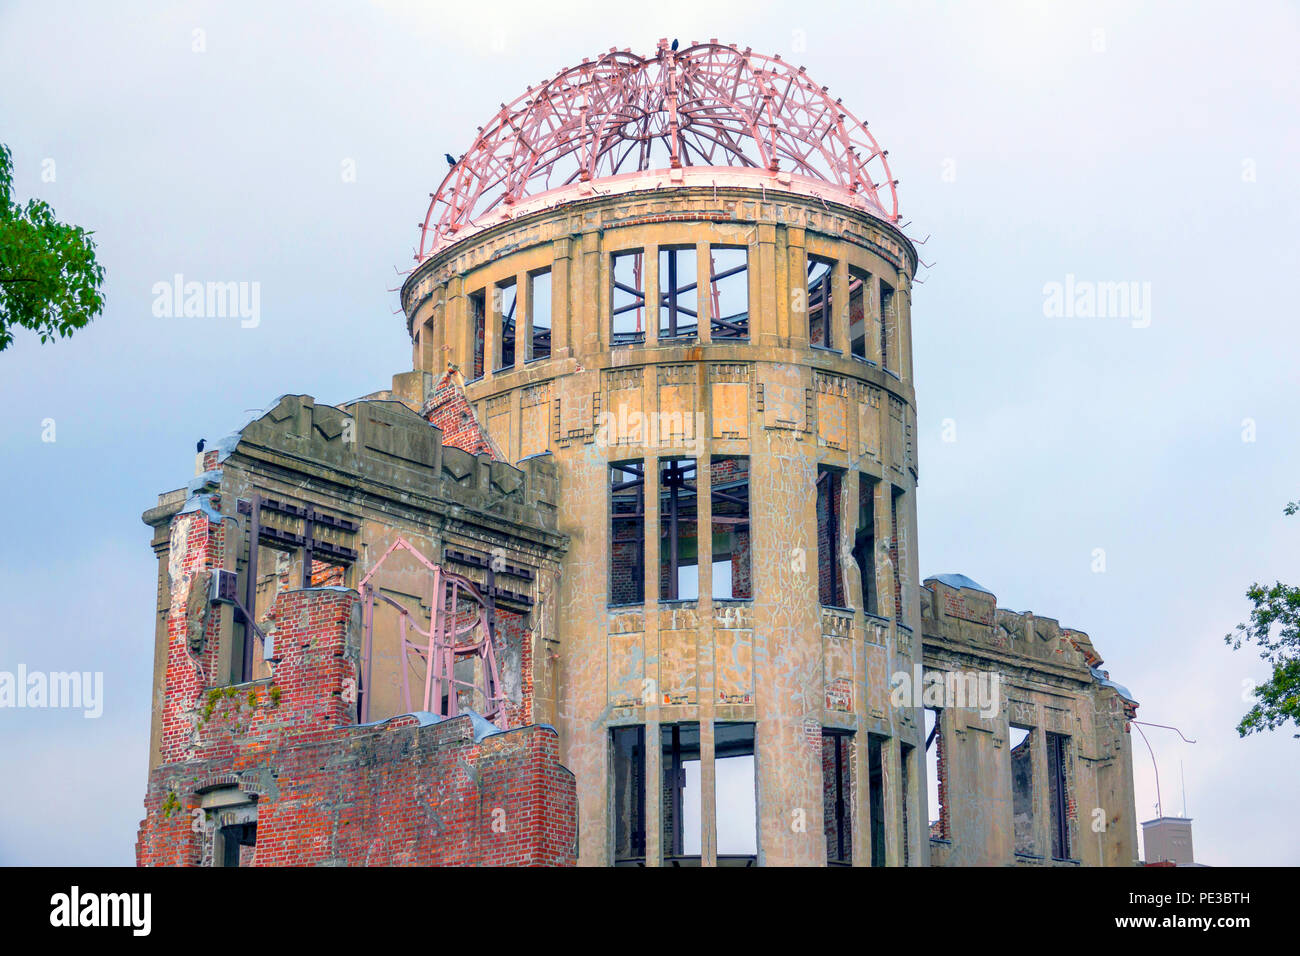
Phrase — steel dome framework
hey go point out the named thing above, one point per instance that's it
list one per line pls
(709, 105)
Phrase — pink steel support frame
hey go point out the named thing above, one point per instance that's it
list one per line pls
(460, 629)
(707, 107)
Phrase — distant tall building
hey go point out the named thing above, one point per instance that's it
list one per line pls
(1168, 840)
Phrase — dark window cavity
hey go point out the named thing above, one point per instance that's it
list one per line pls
(628, 745)
(627, 532)
(830, 584)
(477, 318)
(732, 575)
(820, 272)
(837, 796)
(507, 297)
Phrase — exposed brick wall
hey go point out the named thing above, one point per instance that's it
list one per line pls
(830, 576)
(940, 828)
(326, 575)
(330, 792)
(451, 411)
(893, 557)
(512, 630)
(197, 544)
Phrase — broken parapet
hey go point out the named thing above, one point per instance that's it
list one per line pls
(387, 441)
(285, 756)
(954, 607)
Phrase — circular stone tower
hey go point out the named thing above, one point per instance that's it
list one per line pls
(682, 277)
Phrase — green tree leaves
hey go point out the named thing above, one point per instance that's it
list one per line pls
(49, 279)
(1275, 627)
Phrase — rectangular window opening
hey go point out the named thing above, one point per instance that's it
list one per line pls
(876, 797)
(820, 273)
(936, 782)
(627, 532)
(627, 315)
(729, 287)
(837, 796)
(830, 583)
(736, 794)
(897, 551)
(539, 311)
(477, 318)
(238, 844)
(729, 494)
(864, 543)
(887, 326)
(859, 311)
(682, 793)
(628, 746)
(272, 570)
(679, 311)
(679, 572)
(1022, 789)
(506, 296)
(1058, 796)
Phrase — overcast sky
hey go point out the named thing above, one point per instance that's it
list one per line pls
(1100, 141)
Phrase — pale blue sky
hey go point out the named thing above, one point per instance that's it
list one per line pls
(1113, 156)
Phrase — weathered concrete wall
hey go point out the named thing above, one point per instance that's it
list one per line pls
(1047, 685)
(777, 660)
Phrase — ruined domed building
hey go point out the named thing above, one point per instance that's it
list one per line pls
(625, 570)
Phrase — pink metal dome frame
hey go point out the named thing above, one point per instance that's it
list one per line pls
(707, 107)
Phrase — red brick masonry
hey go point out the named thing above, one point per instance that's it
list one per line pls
(329, 792)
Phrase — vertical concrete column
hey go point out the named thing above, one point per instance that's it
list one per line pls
(872, 320)
(708, 787)
(654, 784)
(561, 296)
(891, 769)
(903, 307)
(912, 569)
(650, 286)
(455, 335)
(437, 363)
(1124, 847)
(492, 330)
(840, 300)
(860, 791)
(765, 308)
(523, 323)
(793, 330)
(1042, 795)
(589, 317)
(652, 558)
(883, 502)
(920, 800)
(704, 291)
